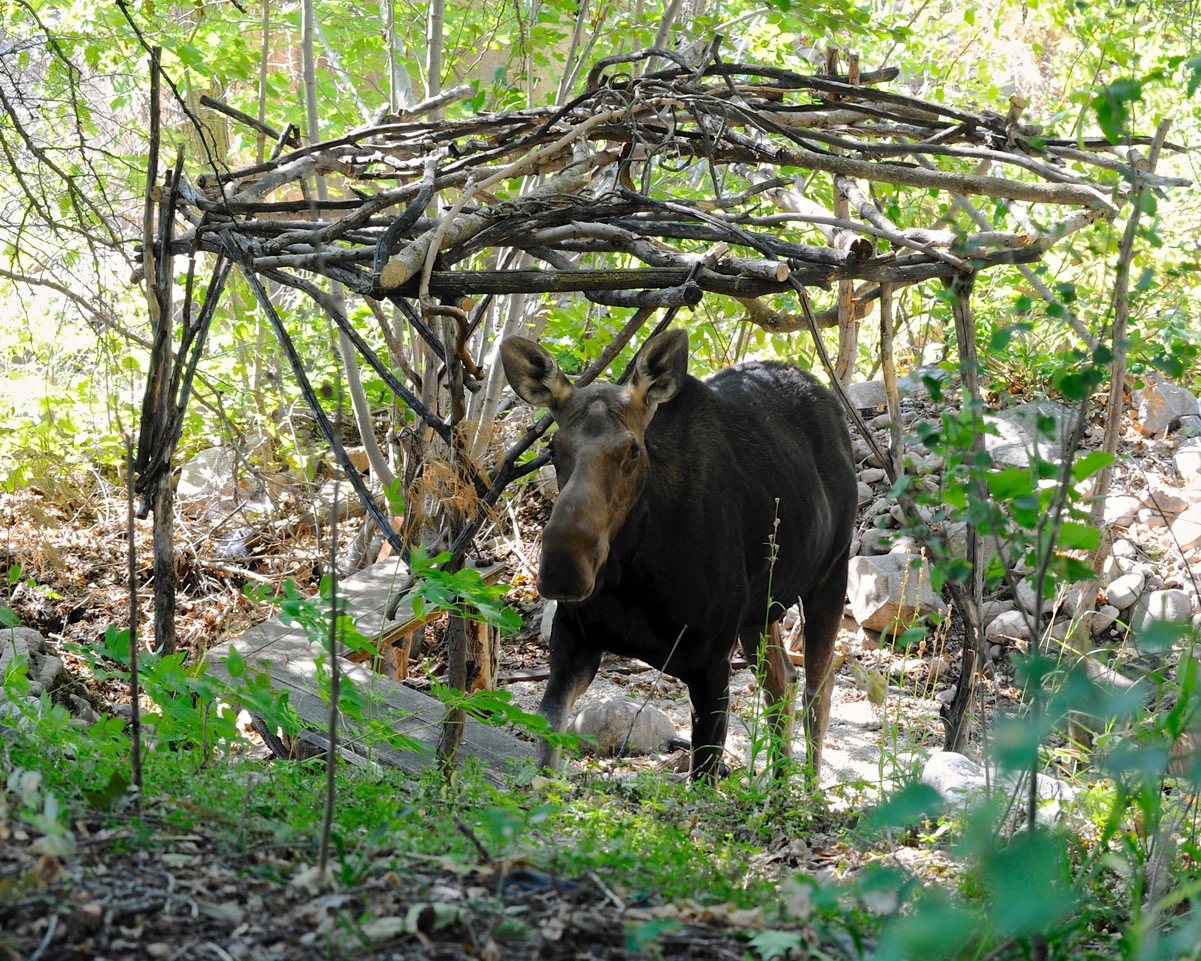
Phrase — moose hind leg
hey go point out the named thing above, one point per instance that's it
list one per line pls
(772, 662)
(823, 615)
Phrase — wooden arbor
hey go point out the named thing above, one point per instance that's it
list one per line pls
(645, 193)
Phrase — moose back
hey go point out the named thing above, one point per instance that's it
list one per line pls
(690, 515)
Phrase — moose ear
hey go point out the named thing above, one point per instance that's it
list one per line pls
(661, 368)
(533, 373)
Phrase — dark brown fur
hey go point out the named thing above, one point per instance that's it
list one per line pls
(674, 496)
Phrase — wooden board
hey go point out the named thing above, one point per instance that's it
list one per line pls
(286, 653)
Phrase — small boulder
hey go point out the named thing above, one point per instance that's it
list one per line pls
(43, 667)
(869, 395)
(1125, 590)
(1186, 528)
(991, 609)
(1187, 460)
(1101, 619)
(959, 781)
(208, 476)
(917, 382)
(1163, 500)
(622, 726)
(890, 592)
(1018, 433)
(1120, 510)
(1161, 405)
(1026, 599)
(1161, 607)
(1008, 626)
(876, 540)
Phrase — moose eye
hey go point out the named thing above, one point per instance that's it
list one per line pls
(632, 455)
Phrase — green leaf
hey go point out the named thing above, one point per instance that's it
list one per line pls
(1028, 884)
(1111, 105)
(935, 928)
(1193, 66)
(106, 798)
(1074, 536)
(914, 802)
(1091, 463)
(776, 944)
(1010, 483)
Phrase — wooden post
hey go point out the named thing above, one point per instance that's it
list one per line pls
(975, 654)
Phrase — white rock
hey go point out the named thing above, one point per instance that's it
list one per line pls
(898, 514)
(913, 384)
(1123, 548)
(1027, 600)
(1160, 607)
(1120, 510)
(1017, 433)
(1061, 629)
(904, 544)
(1165, 500)
(209, 475)
(991, 609)
(1186, 528)
(1124, 591)
(865, 493)
(20, 642)
(876, 540)
(1102, 619)
(960, 781)
(1008, 626)
(1072, 598)
(926, 464)
(623, 725)
(1187, 460)
(872, 475)
(1161, 404)
(891, 592)
(867, 395)
(1151, 518)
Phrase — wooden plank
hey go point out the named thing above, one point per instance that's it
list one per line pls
(287, 654)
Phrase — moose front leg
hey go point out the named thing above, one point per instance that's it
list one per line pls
(710, 694)
(572, 669)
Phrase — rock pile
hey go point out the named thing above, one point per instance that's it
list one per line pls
(47, 674)
(1153, 516)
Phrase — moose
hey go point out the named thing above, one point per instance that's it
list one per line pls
(690, 515)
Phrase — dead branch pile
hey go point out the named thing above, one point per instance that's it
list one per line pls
(623, 194)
